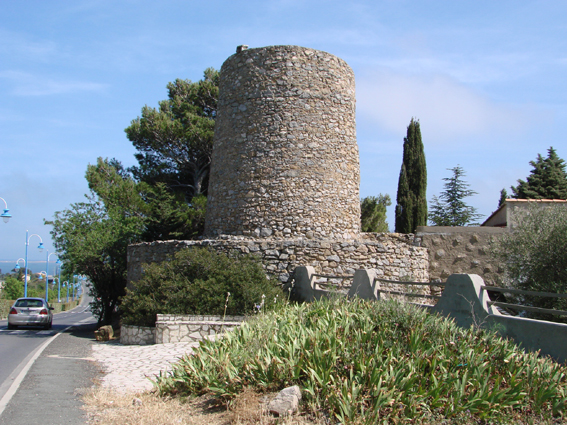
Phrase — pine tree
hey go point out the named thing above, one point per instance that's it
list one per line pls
(450, 209)
(503, 197)
(411, 208)
(373, 213)
(547, 180)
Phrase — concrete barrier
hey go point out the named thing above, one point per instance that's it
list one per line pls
(466, 303)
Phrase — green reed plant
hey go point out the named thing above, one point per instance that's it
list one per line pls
(368, 362)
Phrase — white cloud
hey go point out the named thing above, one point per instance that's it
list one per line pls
(448, 111)
(26, 84)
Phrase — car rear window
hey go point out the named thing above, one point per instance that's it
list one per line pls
(29, 303)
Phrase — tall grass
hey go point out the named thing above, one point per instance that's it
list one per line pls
(361, 362)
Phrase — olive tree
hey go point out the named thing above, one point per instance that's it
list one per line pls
(534, 254)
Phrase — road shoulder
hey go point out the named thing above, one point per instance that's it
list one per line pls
(51, 391)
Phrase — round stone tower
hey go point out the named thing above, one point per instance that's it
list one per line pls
(285, 159)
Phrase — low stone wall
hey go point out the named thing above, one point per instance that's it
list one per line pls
(137, 335)
(461, 250)
(394, 255)
(175, 328)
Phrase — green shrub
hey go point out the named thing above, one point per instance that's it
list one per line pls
(376, 362)
(534, 257)
(197, 281)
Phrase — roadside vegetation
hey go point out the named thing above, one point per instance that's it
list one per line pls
(361, 362)
(534, 258)
(199, 281)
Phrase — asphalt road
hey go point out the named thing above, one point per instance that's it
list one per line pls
(50, 391)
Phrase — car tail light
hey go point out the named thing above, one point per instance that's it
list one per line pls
(44, 311)
(13, 311)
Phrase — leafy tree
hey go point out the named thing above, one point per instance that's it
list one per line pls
(547, 180)
(450, 209)
(373, 213)
(92, 237)
(411, 208)
(503, 197)
(169, 216)
(197, 281)
(175, 141)
(13, 289)
(534, 255)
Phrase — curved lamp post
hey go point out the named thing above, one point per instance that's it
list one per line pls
(17, 267)
(6, 216)
(47, 274)
(40, 247)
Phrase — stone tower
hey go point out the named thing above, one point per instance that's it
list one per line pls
(285, 159)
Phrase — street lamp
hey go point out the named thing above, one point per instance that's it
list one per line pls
(6, 216)
(40, 247)
(66, 284)
(18, 264)
(74, 277)
(47, 274)
(58, 262)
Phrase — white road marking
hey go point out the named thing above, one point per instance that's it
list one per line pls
(17, 382)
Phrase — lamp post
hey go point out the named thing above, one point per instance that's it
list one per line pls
(58, 262)
(17, 267)
(66, 284)
(6, 216)
(40, 247)
(47, 274)
(74, 277)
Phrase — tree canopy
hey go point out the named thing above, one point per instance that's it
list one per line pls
(92, 237)
(547, 180)
(373, 213)
(174, 142)
(411, 208)
(449, 209)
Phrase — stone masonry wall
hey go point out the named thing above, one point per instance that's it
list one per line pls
(285, 159)
(460, 250)
(393, 255)
(182, 328)
(137, 335)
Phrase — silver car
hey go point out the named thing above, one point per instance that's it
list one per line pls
(30, 312)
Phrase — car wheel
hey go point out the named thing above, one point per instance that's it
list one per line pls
(12, 327)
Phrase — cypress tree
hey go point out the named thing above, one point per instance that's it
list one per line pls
(547, 180)
(411, 208)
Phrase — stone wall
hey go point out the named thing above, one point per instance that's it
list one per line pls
(179, 328)
(460, 250)
(137, 335)
(393, 255)
(285, 158)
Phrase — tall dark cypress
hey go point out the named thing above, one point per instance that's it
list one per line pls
(411, 208)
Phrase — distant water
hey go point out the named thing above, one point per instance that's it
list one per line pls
(36, 266)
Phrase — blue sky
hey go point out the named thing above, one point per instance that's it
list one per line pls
(486, 79)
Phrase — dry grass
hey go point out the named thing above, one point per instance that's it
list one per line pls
(104, 406)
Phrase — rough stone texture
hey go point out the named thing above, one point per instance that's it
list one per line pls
(286, 402)
(285, 159)
(461, 250)
(175, 328)
(137, 335)
(393, 255)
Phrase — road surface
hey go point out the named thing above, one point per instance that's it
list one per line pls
(45, 390)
